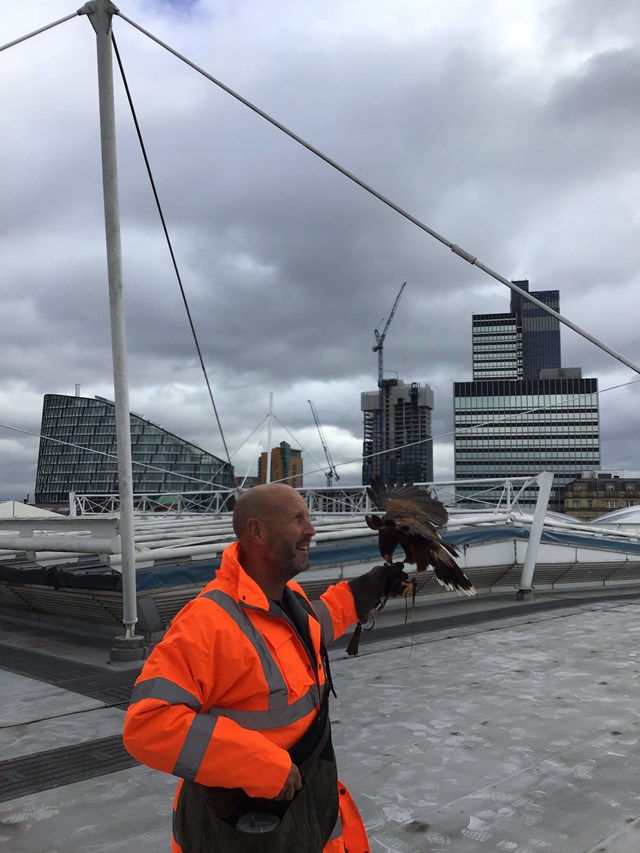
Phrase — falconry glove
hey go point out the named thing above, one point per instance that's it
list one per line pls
(376, 585)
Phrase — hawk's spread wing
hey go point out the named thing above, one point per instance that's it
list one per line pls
(407, 504)
(411, 519)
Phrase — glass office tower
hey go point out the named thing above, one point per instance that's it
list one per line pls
(73, 427)
(540, 331)
(523, 413)
(518, 428)
(496, 346)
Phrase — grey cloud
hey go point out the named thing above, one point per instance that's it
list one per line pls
(288, 267)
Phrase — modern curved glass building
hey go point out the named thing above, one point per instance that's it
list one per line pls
(78, 449)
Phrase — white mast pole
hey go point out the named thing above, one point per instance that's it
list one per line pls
(270, 421)
(545, 481)
(100, 12)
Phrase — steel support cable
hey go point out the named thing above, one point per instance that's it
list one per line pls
(478, 426)
(304, 450)
(253, 432)
(111, 456)
(466, 256)
(321, 469)
(170, 246)
(41, 30)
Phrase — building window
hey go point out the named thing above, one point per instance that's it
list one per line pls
(612, 504)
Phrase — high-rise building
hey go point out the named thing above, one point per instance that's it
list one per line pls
(540, 331)
(397, 419)
(523, 413)
(497, 346)
(286, 465)
(520, 343)
(74, 428)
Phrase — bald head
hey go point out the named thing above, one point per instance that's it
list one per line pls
(274, 535)
(260, 502)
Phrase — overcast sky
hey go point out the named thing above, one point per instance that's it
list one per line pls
(511, 128)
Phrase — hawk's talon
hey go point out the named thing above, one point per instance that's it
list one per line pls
(408, 587)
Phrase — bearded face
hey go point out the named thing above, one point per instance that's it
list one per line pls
(288, 552)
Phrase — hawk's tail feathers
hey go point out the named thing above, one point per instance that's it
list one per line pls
(450, 576)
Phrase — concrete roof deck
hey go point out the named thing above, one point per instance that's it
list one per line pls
(518, 733)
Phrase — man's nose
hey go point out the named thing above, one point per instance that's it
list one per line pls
(310, 529)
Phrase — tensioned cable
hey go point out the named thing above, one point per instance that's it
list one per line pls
(315, 461)
(111, 456)
(158, 205)
(41, 30)
(477, 426)
(482, 424)
(454, 248)
(322, 469)
(466, 256)
(253, 432)
(169, 244)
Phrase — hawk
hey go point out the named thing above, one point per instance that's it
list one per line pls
(411, 519)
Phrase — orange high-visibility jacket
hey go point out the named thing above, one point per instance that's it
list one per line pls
(231, 688)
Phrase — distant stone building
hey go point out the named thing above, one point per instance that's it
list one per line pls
(286, 465)
(78, 449)
(596, 493)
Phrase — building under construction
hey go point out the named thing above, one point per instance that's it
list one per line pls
(397, 443)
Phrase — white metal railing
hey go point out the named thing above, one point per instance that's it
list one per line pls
(180, 535)
(498, 493)
(213, 502)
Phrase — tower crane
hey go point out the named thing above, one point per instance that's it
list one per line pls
(380, 336)
(382, 465)
(331, 473)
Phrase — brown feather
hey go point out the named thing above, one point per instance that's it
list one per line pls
(407, 503)
(411, 518)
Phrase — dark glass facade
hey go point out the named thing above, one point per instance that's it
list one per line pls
(520, 428)
(90, 423)
(540, 332)
(523, 413)
(403, 426)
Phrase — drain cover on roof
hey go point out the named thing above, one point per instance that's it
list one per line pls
(64, 766)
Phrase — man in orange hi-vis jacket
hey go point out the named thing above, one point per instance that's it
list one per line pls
(234, 699)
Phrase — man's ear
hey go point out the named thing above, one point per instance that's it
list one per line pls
(255, 529)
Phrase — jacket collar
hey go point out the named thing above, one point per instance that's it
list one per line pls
(237, 583)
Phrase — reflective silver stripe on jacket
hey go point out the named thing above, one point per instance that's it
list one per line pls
(324, 618)
(194, 746)
(165, 691)
(258, 721)
(278, 693)
(280, 712)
